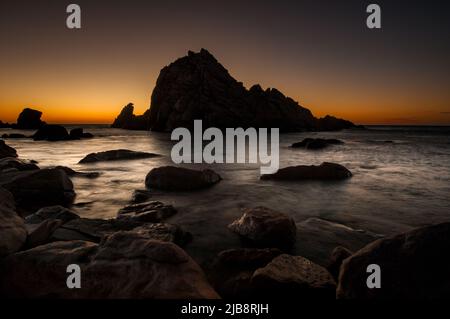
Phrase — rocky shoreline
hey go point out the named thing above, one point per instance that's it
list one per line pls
(139, 254)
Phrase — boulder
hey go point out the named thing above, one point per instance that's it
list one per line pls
(72, 173)
(39, 188)
(78, 133)
(414, 265)
(140, 196)
(126, 265)
(115, 155)
(264, 227)
(52, 133)
(40, 234)
(14, 136)
(286, 276)
(325, 171)
(316, 143)
(51, 213)
(171, 178)
(151, 212)
(29, 119)
(338, 255)
(12, 164)
(6, 151)
(12, 227)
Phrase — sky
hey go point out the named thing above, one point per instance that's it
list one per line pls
(318, 52)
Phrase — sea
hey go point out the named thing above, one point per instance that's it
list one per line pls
(401, 181)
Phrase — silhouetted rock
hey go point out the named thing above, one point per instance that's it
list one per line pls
(12, 164)
(151, 212)
(325, 171)
(287, 276)
(197, 86)
(338, 255)
(72, 173)
(14, 136)
(127, 119)
(6, 151)
(414, 265)
(12, 227)
(78, 133)
(171, 178)
(140, 196)
(115, 155)
(29, 119)
(51, 132)
(4, 125)
(264, 227)
(316, 143)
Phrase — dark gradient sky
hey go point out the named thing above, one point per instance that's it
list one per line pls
(318, 52)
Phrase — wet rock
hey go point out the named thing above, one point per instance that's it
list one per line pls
(316, 143)
(164, 232)
(264, 227)
(12, 227)
(52, 213)
(151, 212)
(39, 188)
(115, 155)
(29, 119)
(414, 265)
(287, 276)
(14, 136)
(232, 270)
(171, 178)
(141, 268)
(52, 133)
(78, 133)
(338, 255)
(40, 234)
(72, 173)
(325, 171)
(140, 196)
(12, 164)
(6, 151)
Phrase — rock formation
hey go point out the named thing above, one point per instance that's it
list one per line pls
(29, 119)
(197, 86)
(115, 155)
(324, 171)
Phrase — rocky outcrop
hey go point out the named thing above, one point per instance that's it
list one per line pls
(413, 265)
(12, 227)
(123, 265)
(127, 120)
(6, 151)
(151, 212)
(29, 119)
(52, 133)
(338, 255)
(78, 133)
(171, 178)
(4, 125)
(325, 171)
(316, 143)
(287, 276)
(115, 155)
(197, 86)
(265, 228)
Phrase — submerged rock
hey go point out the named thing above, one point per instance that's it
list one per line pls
(6, 151)
(78, 133)
(12, 227)
(316, 143)
(325, 171)
(151, 212)
(12, 164)
(29, 119)
(52, 133)
(171, 178)
(71, 172)
(414, 265)
(265, 228)
(14, 136)
(115, 155)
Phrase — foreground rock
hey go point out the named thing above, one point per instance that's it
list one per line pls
(6, 151)
(171, 178)
(127, 120)
(115, 155)
(72, 173)
(338, 255)
(287, 276)
(151, 212)
(12, 164)
(413, 265)
(316, 143)
(12, 227)
(51, 213)
(124, 265)
(39, 188)
(29, 119)
(265, 228)
(52, 133)
(325, 171)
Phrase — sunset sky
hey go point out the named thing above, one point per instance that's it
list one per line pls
(318, 52)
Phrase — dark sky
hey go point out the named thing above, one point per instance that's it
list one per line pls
(318, 52)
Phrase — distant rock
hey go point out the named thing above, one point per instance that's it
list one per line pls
(266, 228)
(29, 119)
(414, 265)
(14, 136)
(171, 178)
(325, 171)
(6, 151)
(115, 155)
(72, 173)
(152, 212)
(51, 132)
(78, 133)
(316, 143)
(287, 276)
(127, 119)
(4, 125)
(12, 227)
(198, 87)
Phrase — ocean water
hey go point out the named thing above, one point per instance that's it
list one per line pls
(401, 180)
